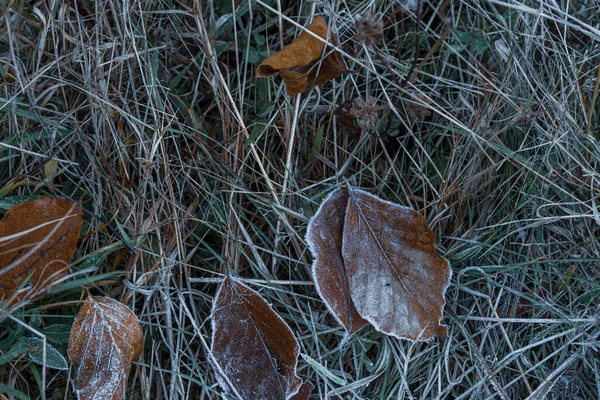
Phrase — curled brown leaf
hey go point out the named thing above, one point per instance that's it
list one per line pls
(375, 261)
(301, 64)
(304, 392)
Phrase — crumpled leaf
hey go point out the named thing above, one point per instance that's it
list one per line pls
(37, 238)
(300, 63)
(324, 237)
(254, 348)
(395, 277)
(105, 339)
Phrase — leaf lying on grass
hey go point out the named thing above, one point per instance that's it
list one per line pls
(254, 348)
(324, 237)
(37, 240)
(387, 262)
(105, 339)
(35, 345)
(300, 63)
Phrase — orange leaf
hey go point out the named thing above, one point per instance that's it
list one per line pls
(255, 350)
(105, 339)
(300, 63)
(37, 239)
(324, 237)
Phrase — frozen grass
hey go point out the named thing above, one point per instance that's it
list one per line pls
(150, 113)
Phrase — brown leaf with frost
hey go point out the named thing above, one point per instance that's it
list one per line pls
(324, 236)
(255, 351)
(37, 240)
(396, 277)
(105, 339)
(301, 64)
(384, 267)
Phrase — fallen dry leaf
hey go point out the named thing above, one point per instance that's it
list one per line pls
(300, 63)
(395, 278)
(105, 339)
(254, 348)
(324, 236)
(37, 239)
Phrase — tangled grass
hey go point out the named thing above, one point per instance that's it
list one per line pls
(483, 116)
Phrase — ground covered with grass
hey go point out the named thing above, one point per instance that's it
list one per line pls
(482, 115)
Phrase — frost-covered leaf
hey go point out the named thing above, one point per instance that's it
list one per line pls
(324, 236)
(57, 333)
(397, 279)
(105, 339)
(37, 240)
(36, 353)
(255, 350)
(300, 63)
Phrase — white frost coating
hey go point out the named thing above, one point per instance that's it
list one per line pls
(222, 373)
(388, 305)
(100, 327)
(409, 4)
(310, 240)
(222, 20)
(382, 298)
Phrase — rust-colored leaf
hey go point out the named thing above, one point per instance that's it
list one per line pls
(255, 350)
(324, 236)
(397, 279)
(105, 339)
(301, 64)
(37, 239)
